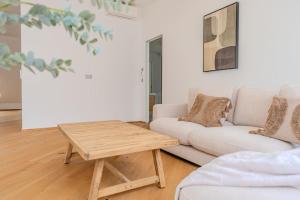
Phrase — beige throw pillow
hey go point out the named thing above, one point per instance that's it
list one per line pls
(283, 121)
(208, 111)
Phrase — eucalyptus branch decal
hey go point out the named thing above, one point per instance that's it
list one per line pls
(79, 26)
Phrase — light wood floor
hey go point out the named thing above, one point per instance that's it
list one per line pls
(31, 168)
(10, 115)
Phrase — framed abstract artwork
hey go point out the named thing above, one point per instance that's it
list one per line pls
(220, 39)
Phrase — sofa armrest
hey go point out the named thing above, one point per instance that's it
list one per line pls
(169, 110)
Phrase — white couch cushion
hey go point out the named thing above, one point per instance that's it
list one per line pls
(290, 92)
(229, 139)
(233, 103)
(175, 128)
(283, 120)
(252, 106)
(191, 154)
(238, 193)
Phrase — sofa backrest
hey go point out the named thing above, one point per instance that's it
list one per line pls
(290, 91)
(252, 106)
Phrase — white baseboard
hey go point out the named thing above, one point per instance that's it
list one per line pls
(10, 106)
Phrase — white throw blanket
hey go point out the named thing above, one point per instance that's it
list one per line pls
(248, 169)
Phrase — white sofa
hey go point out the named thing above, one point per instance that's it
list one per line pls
(200, 145)
(239, 193)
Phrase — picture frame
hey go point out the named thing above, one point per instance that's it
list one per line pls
(221, 39)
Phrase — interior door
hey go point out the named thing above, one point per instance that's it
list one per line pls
(155, 74)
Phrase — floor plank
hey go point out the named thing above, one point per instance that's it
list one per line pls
(32, 168)
(10, 115)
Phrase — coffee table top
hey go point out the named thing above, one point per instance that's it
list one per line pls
(96, 140)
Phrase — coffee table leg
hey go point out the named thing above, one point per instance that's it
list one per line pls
(68, 153)
(97, 175)
(159, 168)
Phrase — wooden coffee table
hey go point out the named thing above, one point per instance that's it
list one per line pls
(100, 140)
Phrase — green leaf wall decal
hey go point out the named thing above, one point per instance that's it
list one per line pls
(78, 25)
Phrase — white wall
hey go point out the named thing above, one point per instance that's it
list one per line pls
(268, 50)
(268, 57)
(114, 91)
(10, 82)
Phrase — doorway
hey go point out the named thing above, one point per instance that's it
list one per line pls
(155, 74)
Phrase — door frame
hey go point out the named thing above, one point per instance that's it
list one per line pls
(148, 72)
